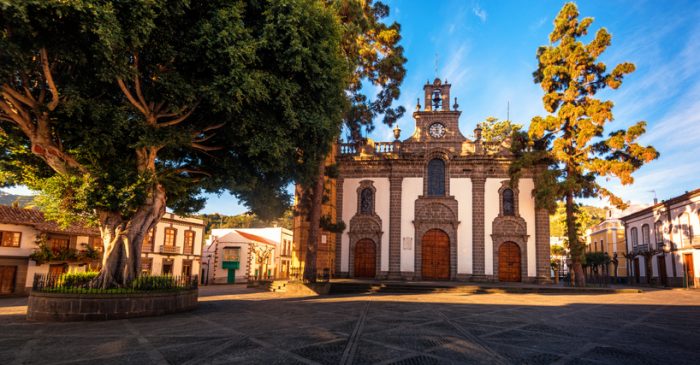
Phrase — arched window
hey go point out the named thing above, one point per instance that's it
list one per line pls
(508, 202)
(658, 233)
(366, 199)
(645, 234)
(436, 177)
(635, 237)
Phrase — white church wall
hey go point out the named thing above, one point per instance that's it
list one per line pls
(381, 208)
(411, 188)
(461, 189)
(526, 207)
(491, 208)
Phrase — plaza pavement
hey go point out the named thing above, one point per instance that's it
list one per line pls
(235, 325)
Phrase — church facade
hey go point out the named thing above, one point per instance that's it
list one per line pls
(437, 206)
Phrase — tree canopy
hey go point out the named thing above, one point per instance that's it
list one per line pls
(570, 141)
(115, 109)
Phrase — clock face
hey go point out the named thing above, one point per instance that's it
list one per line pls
(437, 130)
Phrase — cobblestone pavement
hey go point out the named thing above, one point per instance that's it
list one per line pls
(235, 325)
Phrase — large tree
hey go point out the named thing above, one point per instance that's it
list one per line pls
(570, 140)
(372, 50)
(116, 109)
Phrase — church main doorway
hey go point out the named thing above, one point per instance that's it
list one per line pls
(509, 262)
(365, 259)
(435, 248)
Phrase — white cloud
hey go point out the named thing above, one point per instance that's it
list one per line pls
(479, 12)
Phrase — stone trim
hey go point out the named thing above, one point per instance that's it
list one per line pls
(366, 184)
(435, 213)
(395, 186)
(444, 155)
(364, 226)
(505, 184)
(478, 227)
(542, 249)
(510, 229)
(339, 217)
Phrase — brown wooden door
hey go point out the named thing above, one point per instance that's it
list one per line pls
(661, 260)
(636, 270)
(689, 269)
(7, 279)
(56, 270)
(435, 248)
(365, 259)
(509, 262)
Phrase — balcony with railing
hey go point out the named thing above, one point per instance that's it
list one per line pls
(188, 250)
(375, 148)
(169, 249)
(147, 247)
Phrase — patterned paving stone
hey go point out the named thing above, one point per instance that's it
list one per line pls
(327, 353)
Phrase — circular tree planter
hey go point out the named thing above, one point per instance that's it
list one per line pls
(46, 306)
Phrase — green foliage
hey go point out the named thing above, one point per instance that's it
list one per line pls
(596, 259)
(588, 216)
(90, 253)
(42, 253)
(238, 96)
(557, 250)
(245, 220)
(328, 225)
(76, 279)
(498, 131)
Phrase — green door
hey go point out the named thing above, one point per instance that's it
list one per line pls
(231, 276)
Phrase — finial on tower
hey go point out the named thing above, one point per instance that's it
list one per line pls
(455, 106)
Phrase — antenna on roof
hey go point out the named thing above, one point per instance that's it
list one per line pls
(436, 64)
(655, 199)
(508, 111)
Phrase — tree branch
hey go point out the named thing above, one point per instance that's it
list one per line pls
(178, 120)
(7, 89)
(49, 79)
(130, 97)
(191, 171)
(204, 148)
(137, 83)
(203, 139)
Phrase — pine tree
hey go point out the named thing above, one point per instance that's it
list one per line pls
(570, 140)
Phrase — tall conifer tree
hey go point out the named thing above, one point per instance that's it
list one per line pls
(570, 140)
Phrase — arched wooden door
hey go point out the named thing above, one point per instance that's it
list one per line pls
(365, 259)
(435, 247)
(509, 262)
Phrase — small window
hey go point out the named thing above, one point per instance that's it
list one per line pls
(146, 265)
(10, 239)
(508, 202)
(170, 237)
(436, 177)
(634, 236)
(645, 234)
(59, 243)
(186, 267)
(686, 229)
(366, 200)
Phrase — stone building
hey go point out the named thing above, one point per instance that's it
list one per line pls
(663, 241)
(437, 206)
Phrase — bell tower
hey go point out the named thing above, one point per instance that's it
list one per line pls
(437, 121)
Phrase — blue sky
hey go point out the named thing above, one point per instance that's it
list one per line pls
(486, 50)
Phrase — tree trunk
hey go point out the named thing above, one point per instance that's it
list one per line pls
(314, 224)
(122, 240)
(579, 278)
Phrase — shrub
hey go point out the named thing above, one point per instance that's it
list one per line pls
(157, 282)
(76, 279)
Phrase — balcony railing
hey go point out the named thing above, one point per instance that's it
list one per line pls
(640, 248)
(378, 148)
(169, 249)
(188, 250)
(147, 247)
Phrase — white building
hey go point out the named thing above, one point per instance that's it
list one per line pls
(236, 255)
(438, 205)
(175, 248)
(664, 240)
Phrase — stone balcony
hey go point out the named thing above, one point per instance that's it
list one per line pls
(169, 249)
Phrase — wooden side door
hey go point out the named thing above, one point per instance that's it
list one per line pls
(661, 261)
(689, 269)
(435, 247)
(509, 262)
(7, 279)
(365, 259)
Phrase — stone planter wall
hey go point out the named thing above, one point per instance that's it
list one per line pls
(96, 307)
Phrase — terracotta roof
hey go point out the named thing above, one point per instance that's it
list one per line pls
(256, 238)
(34, 218)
